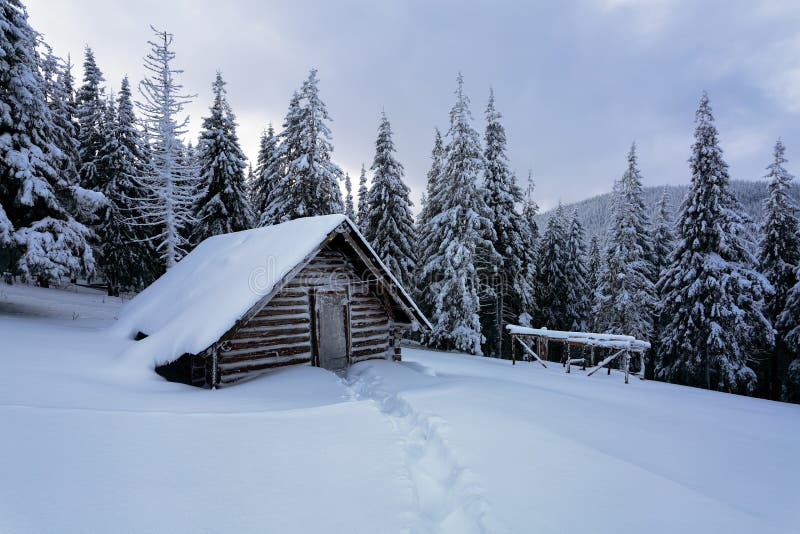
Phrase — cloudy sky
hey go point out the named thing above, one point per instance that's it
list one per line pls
(577, 81)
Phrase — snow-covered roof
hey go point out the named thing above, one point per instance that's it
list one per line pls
(192, 305)
(610, 341)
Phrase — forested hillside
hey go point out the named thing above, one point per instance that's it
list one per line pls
(595, 213)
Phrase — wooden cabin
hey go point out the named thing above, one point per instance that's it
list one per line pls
(331, 303)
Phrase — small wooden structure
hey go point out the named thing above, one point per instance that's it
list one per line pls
(620, 347)
(338, 305)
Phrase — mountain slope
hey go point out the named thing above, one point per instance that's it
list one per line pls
(595, 212)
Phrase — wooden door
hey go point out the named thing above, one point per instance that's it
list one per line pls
(332, 328)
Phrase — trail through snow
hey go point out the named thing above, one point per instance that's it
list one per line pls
(447, 496)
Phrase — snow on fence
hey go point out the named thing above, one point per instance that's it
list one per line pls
(620, 346)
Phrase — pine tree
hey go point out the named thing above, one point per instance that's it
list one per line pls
(578, 298)
(512, 291)
(459, 230)
(551, 274)
(529, 211)
(593, 276)
(38, 237)
(427, 243)
(91, 114)
(349, 206)
(712, 298)
(60, 100)
(125, 256)
(778, 261)
(389, 223)
(627, 296)
(265, 174)
(222, 207)
(663, 236)
(169, 181)
(363, 203)
(309, 184)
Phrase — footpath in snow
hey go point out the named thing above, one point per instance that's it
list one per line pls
(439, 443)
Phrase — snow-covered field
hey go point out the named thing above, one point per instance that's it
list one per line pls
(438, 443)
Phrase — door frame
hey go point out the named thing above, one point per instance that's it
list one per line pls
(314, 305)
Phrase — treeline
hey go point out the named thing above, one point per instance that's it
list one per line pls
(100, 184)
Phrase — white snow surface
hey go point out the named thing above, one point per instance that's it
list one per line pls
(439, 443)
(198, 300)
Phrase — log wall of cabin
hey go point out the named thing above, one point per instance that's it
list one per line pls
(280, 333)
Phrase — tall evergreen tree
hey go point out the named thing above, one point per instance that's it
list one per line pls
(627, 296)
(169, 181)
(310, 181)
(712, 298)
(593, 276)
(91, 114)
(551, 274)
(222, 207)
(349, 207)
(459, 230)
(125, 257)
(578, 298)
(389, 223)
(38, 236)
(363, 203)
(427, 241)
(778, 261)
(512, 288)
(663, 236)
(265, 174)
(61, 101)
(529, 211)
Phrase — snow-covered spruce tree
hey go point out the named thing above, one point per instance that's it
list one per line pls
(363, 203)
(222, 207)
(712, 297)
(594, 269)
(349, 206)
(389, 223)
(125, 255)
(551, 274)
(61, 101)
(529, 211)
(265, 173)
(663, 236)
(426, 239)
(663, 245)
(627, 296)
(309, 184)
(170, 184)
(38, 237)
(778, 261)
(91, 114)
(578, 301)
(512, 283)
(459, 230)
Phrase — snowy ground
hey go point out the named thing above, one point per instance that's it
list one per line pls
(439, 443)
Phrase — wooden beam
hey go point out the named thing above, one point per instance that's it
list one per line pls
(604, 362)
(530, 351)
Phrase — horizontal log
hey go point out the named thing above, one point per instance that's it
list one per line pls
(356, 353)
(232, 375)
(279, 330)
(381, 315)
(361, 333)
(292, 301)
(368, 323)
(272, 311)
(371, 342)
(248, 354)
(267, 322)
(256, 362)
(268, 341)
(370, 357)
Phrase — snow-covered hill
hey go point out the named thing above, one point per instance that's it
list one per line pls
(438, 443)
(595, 212)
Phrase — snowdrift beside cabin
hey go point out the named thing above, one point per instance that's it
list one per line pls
(194, 303)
